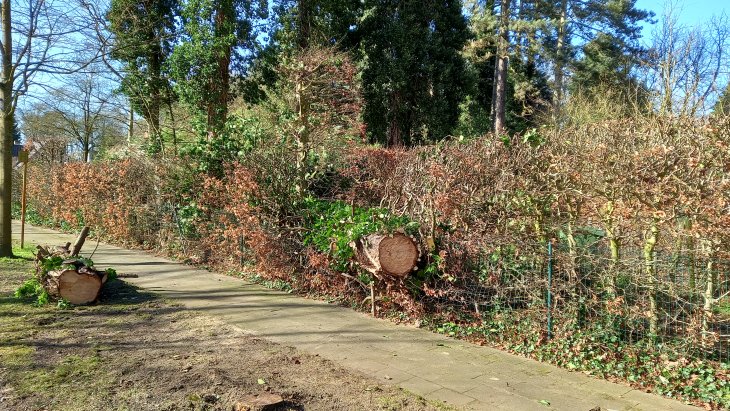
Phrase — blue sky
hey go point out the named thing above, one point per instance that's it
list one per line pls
(691, 12)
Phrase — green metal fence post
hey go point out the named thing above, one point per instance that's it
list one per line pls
(549, 291)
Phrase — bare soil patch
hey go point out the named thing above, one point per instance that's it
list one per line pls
(134, 351)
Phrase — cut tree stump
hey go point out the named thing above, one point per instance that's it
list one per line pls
(392, 254)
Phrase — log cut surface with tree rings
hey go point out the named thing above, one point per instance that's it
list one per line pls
(398, 254)
(75, 287)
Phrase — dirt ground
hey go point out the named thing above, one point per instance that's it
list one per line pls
(134, 351)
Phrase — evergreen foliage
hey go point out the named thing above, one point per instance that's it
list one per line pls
(412, 71)
(143, 40)
(216, 38)
(602, 40)
(722, 106)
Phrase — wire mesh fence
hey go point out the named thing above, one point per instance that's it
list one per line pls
(674, 301)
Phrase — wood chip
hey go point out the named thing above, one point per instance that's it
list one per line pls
(258, 401)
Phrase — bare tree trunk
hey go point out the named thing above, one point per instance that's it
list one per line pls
(615, 247)
(130, 127)
(220, 111)
(572, 252)
(394, 133)
(395, 138)
(493, 107)
(6, 178)
(302, 134)
(218, 108)
(154, 106)
(560, 56)
(86, 138)
(6, 133)
(500, 82)
(666, 107)
(691, 257)
(303, 35)
(709, 294)
(153, 125)
(707, 307)
(173, 126)
(304, 32)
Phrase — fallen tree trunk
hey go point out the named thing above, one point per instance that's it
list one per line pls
(75, 282)
(392, 254)
(78, 286)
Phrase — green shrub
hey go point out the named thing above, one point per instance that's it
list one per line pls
(111, 274)
(52, 263)
(239, 137)
(32, 290)
(333, 225)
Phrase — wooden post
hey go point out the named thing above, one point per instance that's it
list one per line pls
(372, 296)
(23, 157)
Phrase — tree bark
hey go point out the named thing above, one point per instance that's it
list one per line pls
(500, 82)
(85, 151)
(130, 127)
(709, 303)
(560, 56)
(395, 137)
(615, 247)
(173, 127)
(6, 133)
(708, 337)
(79, 283)
(153, 110)
(218, 107)
(304, 17)
(87, 127)
(80, 241)
(303, 132)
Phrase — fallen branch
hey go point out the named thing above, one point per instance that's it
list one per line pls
(80, 241)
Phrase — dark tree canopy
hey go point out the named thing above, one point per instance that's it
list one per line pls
(216, 38)
(143, 38)
(412, 70)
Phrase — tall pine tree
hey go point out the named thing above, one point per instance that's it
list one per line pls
(413, 75)
(143, 35)
(525, 92)
(603, 34)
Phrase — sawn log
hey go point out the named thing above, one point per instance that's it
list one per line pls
(392, 254)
